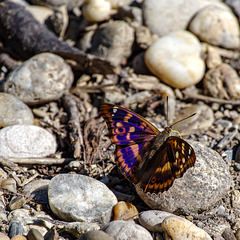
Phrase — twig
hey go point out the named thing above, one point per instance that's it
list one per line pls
(210, 99)
(12, 162)
(76, 137)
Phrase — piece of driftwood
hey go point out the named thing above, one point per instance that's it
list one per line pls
(75, 134)
(23, 36)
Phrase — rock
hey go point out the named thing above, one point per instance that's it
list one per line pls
(163, 17)
(34, 234)
(97, 10)
(13, 111)
(42, 78)
(21, 141)
(213, 58)
(4, 237)
(200, 187)
(120, 229)
(203, 119)
(235, 5)
(113, 41)
(228, 235)
(96, 235)
(71, 4)
(40, 190)
(235, 198)
(18, 237)
(15, 229)
(3, 174)
(75, 197)
(40, 13)
(222, 82)
(181, 229)
(216, 26)
(78, 228)
(176, 60)
(152, 219)
(118, 3)
(9, 184)
(26, 219)
(124, 211)
(16, 202)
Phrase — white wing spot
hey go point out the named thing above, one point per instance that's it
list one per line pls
(113, 115)
(114, 110)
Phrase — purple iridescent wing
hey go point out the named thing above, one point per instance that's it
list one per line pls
(131, 133)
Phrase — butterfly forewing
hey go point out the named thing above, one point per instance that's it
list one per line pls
(131, 133)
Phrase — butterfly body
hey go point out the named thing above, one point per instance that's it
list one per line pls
(145, 155)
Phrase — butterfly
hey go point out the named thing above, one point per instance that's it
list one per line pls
(143, 154)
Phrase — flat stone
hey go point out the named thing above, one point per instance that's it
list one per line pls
(152, 219)
(21, 141)
(13, 111)
(74, 197)
(120, 229)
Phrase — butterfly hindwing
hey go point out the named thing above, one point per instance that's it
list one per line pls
(131, 133)
(169, 162)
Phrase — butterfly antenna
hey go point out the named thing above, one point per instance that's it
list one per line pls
(167, 109)
(183, 119)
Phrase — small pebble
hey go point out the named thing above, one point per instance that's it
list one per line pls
(217, 26)
(13, 111)
(34, 234)
(96, 235)
(3, 237)
(181, 229)
(228, 235)
(18, 237)
(120, 229)
(152, 219)
(9, 184)
(124, 211)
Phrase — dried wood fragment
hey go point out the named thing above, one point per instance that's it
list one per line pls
(24, 37)
(76, 137)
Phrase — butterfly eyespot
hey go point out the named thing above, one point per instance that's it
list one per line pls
(134, 169)
(153, 180)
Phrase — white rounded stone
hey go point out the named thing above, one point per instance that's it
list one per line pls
(165, 16)
(21, 141)
(175, 59)
(97, 10)
(216, 26)
(181, 229)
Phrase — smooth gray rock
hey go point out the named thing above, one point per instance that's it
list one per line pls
(113, 41)
(152, 219)
(120, 230)
(13, 111)
(200, 187)
(42, 78)
(74, 197)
